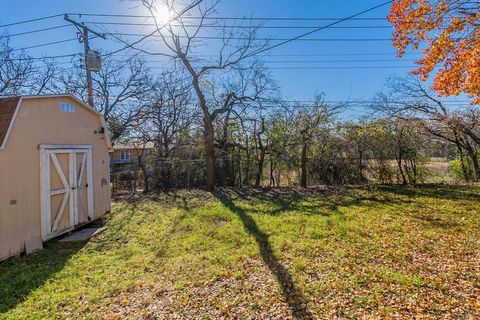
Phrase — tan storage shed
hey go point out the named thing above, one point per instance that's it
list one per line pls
(54, 168)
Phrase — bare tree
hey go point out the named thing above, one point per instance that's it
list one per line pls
(182, 40)
(408, 98)
(20, 74)
(167, 120)
(15, 69)
(120, 89)
(309, 122)
(244, 93)
(260, 139)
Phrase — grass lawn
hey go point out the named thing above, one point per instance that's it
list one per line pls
(386, 252)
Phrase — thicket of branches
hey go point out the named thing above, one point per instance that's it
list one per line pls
(223, 121)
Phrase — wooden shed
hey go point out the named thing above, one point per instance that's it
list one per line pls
(54, 168)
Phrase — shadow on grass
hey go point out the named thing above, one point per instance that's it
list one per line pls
(293, 297)
(20, 277)
(328, 201)
(311, 201)
(441, 191)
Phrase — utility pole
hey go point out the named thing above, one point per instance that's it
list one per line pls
(83, 38)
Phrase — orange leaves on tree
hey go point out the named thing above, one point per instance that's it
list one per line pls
(448, 32)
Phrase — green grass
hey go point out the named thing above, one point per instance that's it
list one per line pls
(386, 252)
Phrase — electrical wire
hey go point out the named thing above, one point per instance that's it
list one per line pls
(327, 68)
(71, 55)
(319, 61)
(180, 14)
(33, 31)
(31, 20)
(45, 44)
(262, 50)
(246, 39)
(232, 18)
(312, 55)
(232, 26)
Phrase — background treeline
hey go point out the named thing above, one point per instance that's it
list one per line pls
(236, 126)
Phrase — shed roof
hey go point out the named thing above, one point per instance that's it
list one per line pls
(7, 111)
(9, 106)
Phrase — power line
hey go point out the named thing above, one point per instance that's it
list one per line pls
(283, 41)
(30, 20)
(233, 26)
(318, 29)
(328, 68)
(45, 44)
(273, 55)
(128, 45)
(359, 101)
(42, 45)
(268, 61)
(233, 18)
(158, 28)
(336, 54)
(311, 55)
(33, 31)
(47, 57)
(339, 61)
(319, 61)
(346, 104)
(245, 39)
(341, 68)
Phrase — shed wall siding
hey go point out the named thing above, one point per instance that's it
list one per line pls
(40, 121)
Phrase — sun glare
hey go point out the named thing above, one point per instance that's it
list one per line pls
(163, 15)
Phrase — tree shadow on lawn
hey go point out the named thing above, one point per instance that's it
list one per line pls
(441, 191)
(293, 297)
(21, 276)
(312, 201)
(328, 201)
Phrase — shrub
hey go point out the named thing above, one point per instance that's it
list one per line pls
(455, 167)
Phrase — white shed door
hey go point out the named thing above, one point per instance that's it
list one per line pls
(66, 188)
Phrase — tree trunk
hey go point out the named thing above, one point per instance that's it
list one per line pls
(360, 165)
(246, 179)
(146, 186)
(462, 163)
(473, 156)
(400, 168)
(462, 160)
(208, 127)
(261, 161)
(476, 166)
(231, 172)
(209, 153)
(303, 166)
(226, 176)
(272, 178)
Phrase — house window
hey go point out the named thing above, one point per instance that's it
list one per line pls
(124, 155)
(67, 107)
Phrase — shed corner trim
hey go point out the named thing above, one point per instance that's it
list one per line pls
(12, 122)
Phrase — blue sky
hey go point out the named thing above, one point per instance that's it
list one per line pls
(340, 73)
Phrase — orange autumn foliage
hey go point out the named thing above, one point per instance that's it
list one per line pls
(448, 31)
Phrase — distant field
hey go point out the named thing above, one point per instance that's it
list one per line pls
(439, 171)
(279, 254)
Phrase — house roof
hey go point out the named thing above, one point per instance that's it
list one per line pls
(8, 106)
(133, 145)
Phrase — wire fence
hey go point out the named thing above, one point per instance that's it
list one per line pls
(235, 170)
(170, 174)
